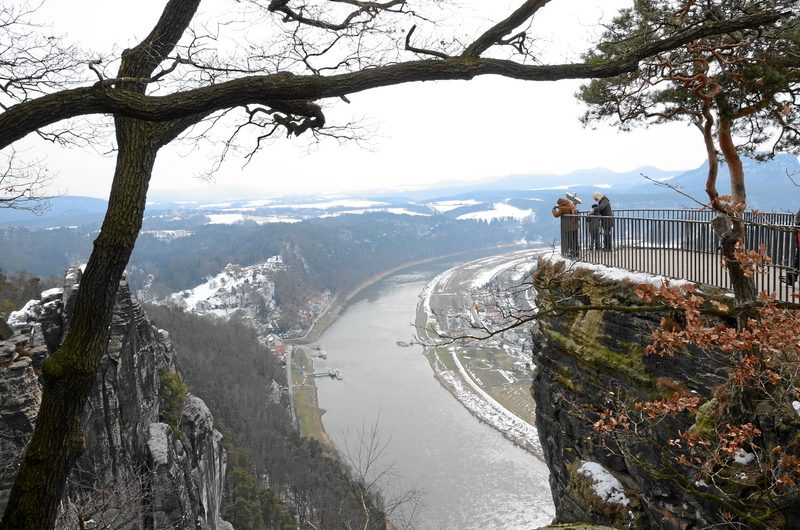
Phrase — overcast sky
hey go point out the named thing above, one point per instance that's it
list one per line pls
(422, 133)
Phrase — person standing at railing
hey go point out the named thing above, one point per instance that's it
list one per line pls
(569, 226)
(606, 218)
(593, 224)
(794, 272)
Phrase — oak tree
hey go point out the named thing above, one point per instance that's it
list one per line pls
(312, 51)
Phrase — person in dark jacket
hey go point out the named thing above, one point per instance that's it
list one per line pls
(606, 218)
(794, 272)
(569, 226)
(593, 224)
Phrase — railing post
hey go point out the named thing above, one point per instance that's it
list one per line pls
(682, 244)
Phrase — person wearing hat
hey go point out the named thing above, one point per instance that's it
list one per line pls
(569, 225)
(606, 218)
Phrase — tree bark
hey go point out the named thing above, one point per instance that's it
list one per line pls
(71, 371)
(744, 288)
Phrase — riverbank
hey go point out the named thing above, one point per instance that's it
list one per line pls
(483, 376)
(304, 395)
(304, 392)
(472, 480)
(501, 412)
(340, 302)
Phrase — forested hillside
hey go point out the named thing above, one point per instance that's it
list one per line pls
(274, 474)
(18, 288)
(327, 253)
(336, 253)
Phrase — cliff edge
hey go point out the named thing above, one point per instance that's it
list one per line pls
(588, 358)
(152, 460)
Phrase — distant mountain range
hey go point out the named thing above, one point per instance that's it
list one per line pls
(519, 196)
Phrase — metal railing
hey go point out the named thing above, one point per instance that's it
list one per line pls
(681, 244)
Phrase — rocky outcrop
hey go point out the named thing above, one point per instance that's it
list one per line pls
(137, 471)
(584, 358)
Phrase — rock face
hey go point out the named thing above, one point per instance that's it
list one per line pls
(137, 471)
(582, 359)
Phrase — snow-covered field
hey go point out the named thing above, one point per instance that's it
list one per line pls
(457, 283)
(500, 210)
(234, 218)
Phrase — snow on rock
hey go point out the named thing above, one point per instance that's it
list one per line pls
(612, 273)
(500, 210)
(52, 294)
(743, 457)
(604, 484)
(29, 312)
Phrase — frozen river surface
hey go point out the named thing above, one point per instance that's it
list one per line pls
(472, 477)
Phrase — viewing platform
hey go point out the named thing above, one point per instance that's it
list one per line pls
(681, 244)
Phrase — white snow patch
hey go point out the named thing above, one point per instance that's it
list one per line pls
(225, 218)
(404, 211)
(50, 293)
(221, 295)
(479, 280)
(342, 203)
(234, 218)
(260, 202)
(743, 457)
(500, 210)
(796, 405)
(507, 375)
(605, 485)
(612, 273)
(562, 187)
(446, 206)
(395, 211)
(28, 312)
(167, 234)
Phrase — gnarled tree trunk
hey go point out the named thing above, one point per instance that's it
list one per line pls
(71, 371)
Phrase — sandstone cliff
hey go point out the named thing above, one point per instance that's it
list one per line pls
(137, 470)
(584, 358)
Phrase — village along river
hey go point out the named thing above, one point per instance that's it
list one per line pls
(472, 477)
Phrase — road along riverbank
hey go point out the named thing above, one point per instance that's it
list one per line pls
(490, 377)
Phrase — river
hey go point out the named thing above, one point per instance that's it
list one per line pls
(472, 477)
